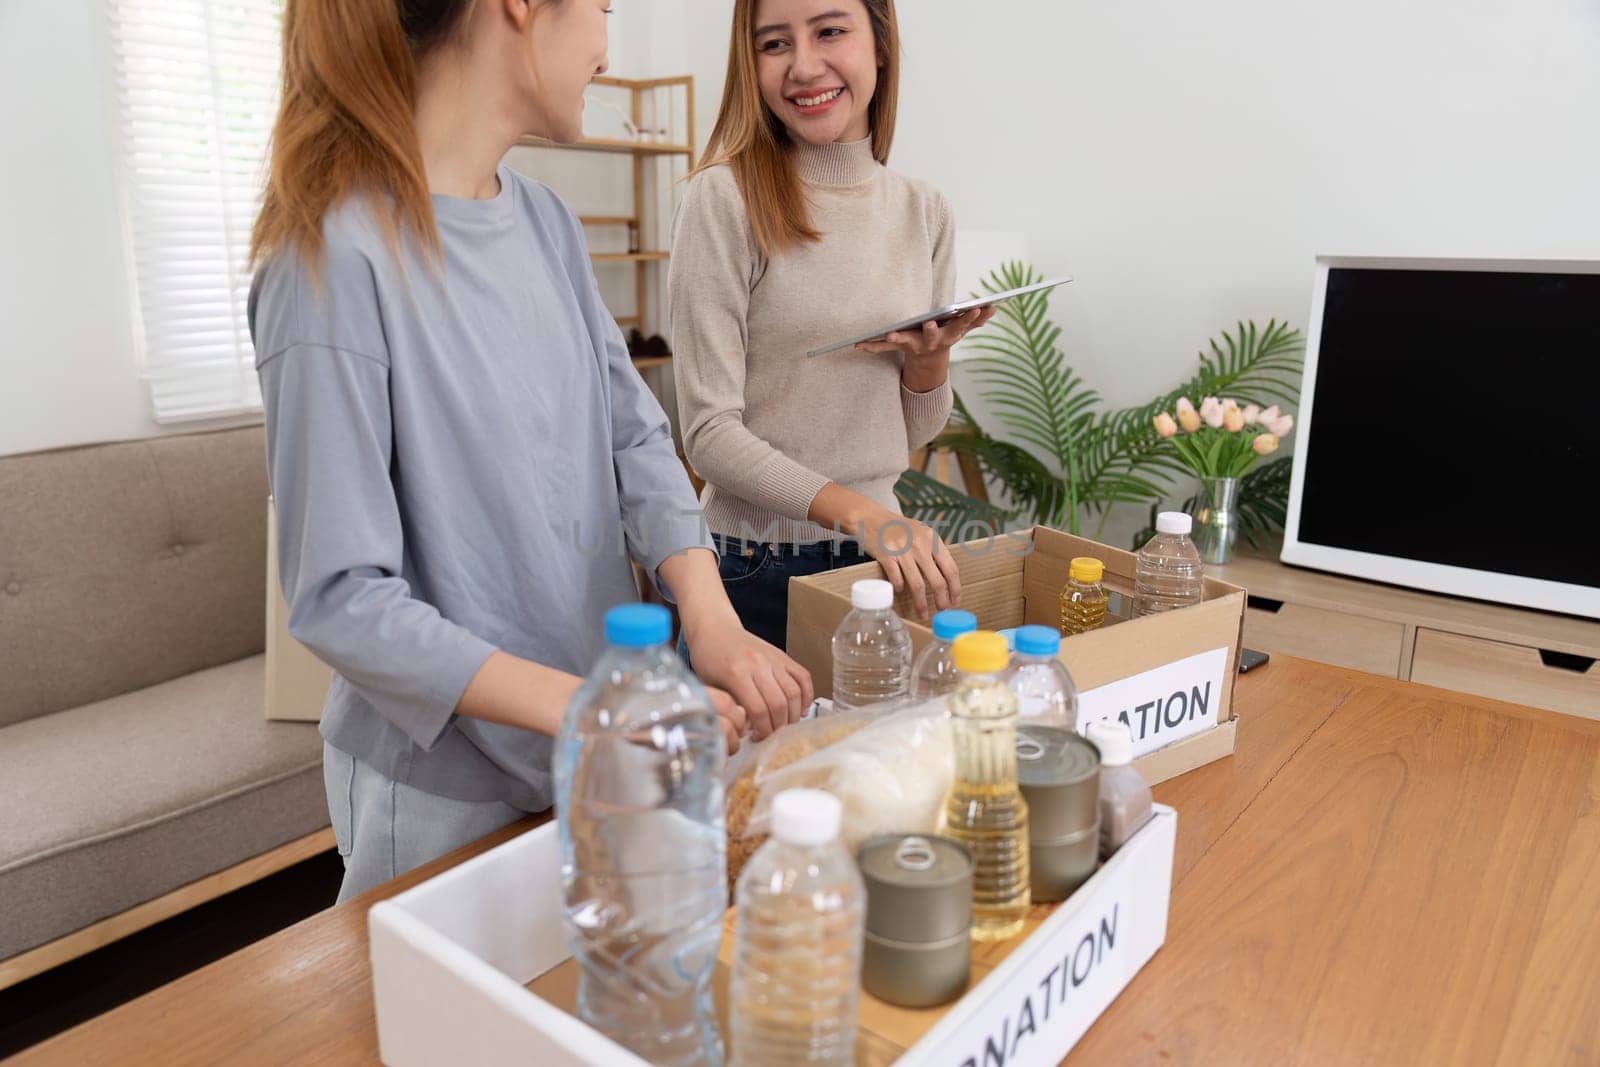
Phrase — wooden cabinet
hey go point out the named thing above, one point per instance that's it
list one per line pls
(1335, 637)
(1526, 657)
(1506, 671)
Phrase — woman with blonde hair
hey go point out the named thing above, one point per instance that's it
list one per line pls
(455, 432)
(792, 234)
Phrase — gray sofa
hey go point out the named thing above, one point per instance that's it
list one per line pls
(135, 755)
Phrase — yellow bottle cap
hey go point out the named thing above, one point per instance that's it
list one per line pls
(980, 652)
(1086, 569)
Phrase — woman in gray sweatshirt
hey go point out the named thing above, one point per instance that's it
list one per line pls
(464, 459)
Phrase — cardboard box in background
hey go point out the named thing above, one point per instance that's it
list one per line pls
(297, 681)
(1132, 664)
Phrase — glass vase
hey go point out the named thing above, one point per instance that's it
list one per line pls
(1216, 525)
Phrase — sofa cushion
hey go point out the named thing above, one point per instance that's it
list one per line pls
(129, 564)
(118, 802)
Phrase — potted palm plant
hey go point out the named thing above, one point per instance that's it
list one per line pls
(1063, 458)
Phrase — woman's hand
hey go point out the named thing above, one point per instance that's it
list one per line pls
(773, 689)
(731, 715)
(913, 557)
(927, 350)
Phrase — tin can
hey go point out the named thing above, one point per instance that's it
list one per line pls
(918, 949)
(1059, 774)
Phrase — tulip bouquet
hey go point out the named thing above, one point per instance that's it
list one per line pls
(1220, 439)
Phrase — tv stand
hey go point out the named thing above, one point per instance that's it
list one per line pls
(1524, 656)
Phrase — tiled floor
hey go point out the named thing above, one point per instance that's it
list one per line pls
(96, 983)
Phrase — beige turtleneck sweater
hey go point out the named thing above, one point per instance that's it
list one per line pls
(766, 426)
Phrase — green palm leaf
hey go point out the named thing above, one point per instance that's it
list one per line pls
(1028, 482)
(948, 510)
(1063, 454)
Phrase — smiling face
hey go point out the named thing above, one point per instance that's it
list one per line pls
(565, 42)
(817, 65)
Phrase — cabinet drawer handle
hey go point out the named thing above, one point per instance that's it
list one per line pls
(1566, 661)
(1263, 603)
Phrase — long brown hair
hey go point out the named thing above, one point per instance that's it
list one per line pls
(346, 124)
(755, 143)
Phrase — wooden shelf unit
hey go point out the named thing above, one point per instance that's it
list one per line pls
(647, 158)
(1536, 658)
(605, 144)
(628, 257)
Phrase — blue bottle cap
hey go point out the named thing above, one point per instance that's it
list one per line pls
(638, 625)
(1038, 641)
(1010, 634)
(951, 624)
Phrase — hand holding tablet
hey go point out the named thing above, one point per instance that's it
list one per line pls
(940, 316)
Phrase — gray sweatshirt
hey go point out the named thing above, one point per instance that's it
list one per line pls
(462, 460)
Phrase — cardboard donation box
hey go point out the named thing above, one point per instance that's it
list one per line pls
(1168, 676)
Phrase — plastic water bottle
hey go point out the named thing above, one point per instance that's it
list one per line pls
(797, 940)
(1044, 689)
(934, 673)
(1168, 573)
(871, 649)
(638, 776)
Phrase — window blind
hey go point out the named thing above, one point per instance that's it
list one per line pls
(197, 89)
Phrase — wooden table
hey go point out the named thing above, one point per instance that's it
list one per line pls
(1383, 873)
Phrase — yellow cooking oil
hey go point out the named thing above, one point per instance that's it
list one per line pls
(1083, 598)
(985, 810)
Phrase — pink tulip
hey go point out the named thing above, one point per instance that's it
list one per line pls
(1165, 426)
(1184, 405)
(1232, 419)
(1189, 419)
(1265, 444)
(1211, 411)
(1252, 412)
(1281, 425)
(1269, 416)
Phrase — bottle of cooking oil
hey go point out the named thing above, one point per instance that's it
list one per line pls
(986, 812)
(1083, 599)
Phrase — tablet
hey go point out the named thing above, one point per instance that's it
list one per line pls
(941, 315)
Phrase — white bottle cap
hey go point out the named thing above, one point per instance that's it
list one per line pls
(1174, 522)
(806, 817)
(1113, 739)
(872, 594)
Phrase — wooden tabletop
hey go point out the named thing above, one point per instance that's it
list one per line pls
(1383, 873)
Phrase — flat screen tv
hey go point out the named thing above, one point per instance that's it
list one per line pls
(1449, 429)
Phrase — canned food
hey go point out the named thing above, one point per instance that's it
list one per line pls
(918, 951)
(1059, 774)
(1056, 868)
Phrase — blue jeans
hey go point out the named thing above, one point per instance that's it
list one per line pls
(756, 576)
(383, 828)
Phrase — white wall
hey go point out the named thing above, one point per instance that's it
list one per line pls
(1186, 162)
(67, 373)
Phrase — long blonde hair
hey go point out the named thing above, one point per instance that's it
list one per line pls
(755, 143)
(347, 125)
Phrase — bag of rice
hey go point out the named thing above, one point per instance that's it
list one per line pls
(891, 769)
